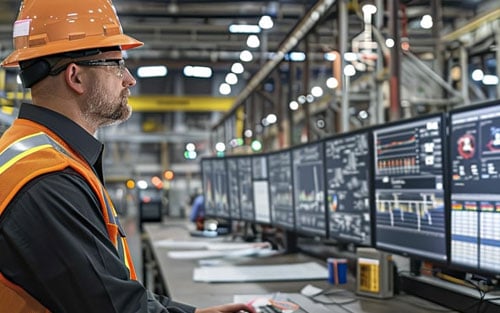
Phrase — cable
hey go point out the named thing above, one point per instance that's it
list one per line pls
(327, 293)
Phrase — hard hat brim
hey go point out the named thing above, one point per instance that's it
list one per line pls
(125, 42)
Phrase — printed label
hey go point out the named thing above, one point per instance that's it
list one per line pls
(22, 28)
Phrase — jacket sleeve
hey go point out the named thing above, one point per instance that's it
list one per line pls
(54, 245)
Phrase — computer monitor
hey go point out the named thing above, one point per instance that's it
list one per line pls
(215, 187)
(474, 189)
(207, 182)
(260, 186)
(220, 187)
(233, 188)
(347, 168)
(281, 189)
(309, 189)
(246, 188)
(409, 188)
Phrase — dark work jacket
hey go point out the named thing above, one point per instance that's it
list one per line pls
(54, 241)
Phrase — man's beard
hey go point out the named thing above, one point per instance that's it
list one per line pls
(103, 110)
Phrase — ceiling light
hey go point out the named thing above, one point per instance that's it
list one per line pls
(330, 56)
(224, 89)
(271, 118)
(190, 146)
(253, 41)
(317, 91)
(197, 71)
(332, 83)
(369, 9)
(152, 71)
(266, 22)
(220, 147)
(237, 68)
(293, 105)
(296, 56)
(246, 56)
(426, 22)
(231, 79)
(244, 29)
(349, 70)
(490, 80)
(477, 75)
(350, 56)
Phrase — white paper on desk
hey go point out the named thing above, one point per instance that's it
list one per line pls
(209, 245)
(237, 245)
(177, 244)
(275, 272)
(207, 254)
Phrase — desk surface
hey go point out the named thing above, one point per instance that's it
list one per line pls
(178, 275)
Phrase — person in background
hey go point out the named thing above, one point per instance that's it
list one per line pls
(62, 248)
(197, 215)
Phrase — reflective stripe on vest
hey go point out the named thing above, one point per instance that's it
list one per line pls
(39, 141)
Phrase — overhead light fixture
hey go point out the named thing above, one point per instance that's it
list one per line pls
(237, 68)
(266, 22)
(332, 83)
(253, 41)
(225, 89)
(244, 29)
(490, 80)
(197, 71)
(152, 71)
(296, 56)
(426, 22)
(231, 79)
(246, 56)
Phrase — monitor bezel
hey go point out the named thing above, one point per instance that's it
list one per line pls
(274, 222)
(477, 106)
(299, 231)
(445, 179)
(368, 132)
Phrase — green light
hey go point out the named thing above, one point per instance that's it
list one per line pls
(256, 145)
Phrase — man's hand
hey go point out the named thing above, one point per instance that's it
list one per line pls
(228, 308)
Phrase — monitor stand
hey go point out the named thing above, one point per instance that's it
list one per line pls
(291, 242)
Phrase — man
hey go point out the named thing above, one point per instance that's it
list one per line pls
(197, 215)
(62, 248)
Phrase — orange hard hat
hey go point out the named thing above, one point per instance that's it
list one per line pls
(46, 28)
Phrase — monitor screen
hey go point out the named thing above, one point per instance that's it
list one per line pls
(409, 191)
(474, 190)
(260, 186)
(347, 168)
(220, 189)
(281, 189)
(246, 188)
(233, 188)
(207, 182)
(309, 189)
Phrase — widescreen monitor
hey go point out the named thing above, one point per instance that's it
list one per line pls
(281, 189)
(347, 170)
(260, 185)
(409, 188)
(233, 188)
(245, 187)
(309, 189)
(475, 185)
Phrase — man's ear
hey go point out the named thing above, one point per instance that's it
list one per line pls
(73, 78)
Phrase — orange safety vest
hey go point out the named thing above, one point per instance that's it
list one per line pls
(28, 150)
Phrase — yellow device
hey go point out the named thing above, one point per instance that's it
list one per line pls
(374, 273)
